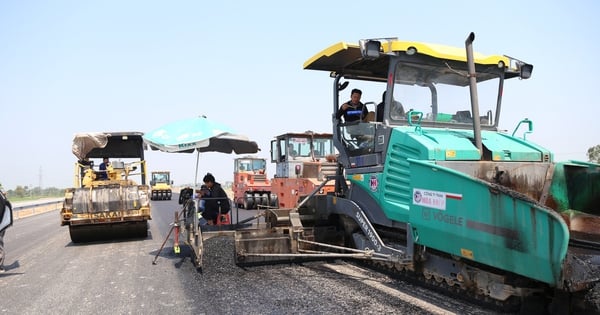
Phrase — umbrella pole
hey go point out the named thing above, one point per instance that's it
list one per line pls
(196, 175)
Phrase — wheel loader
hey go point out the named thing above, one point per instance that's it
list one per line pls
(107, 204)
(436, 192)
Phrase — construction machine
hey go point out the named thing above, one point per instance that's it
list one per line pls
(112, 203)
(160, 185)
(435, 191)
(303, 161)
(251, 186)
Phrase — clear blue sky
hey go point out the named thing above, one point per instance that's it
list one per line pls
(76, 66)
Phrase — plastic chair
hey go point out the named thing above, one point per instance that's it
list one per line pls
(224, 219)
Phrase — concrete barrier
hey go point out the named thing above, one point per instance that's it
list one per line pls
(27, 209)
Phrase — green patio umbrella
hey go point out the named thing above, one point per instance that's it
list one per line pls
(201, 135)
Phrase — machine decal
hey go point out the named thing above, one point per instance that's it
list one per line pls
(112, 214)
(447, 218)
(357, 177)
(433, 199)
(466, 253)
(374, 183)
(186, 145)
(426, 214)
(366, 227)
(417, 197)
(429, 215)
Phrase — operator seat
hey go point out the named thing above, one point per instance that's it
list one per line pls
(463, 116)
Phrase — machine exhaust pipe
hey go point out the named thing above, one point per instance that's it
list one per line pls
(473, 88)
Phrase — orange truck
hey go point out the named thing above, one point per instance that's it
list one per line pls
(251, 186)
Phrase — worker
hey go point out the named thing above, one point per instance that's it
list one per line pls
(217, 203)
(291, 151)
(353, 109)
(103, 174)
(397, 110)
(379, 108)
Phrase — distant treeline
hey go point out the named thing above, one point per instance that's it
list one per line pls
(26, 193)
(31, 193)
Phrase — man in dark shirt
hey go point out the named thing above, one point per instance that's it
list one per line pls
(217, 201)
(379, 108)
(103, 173)
(353, 110)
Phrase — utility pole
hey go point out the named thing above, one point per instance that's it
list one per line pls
(40, 180)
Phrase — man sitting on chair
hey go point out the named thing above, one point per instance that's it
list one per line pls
(218, 202)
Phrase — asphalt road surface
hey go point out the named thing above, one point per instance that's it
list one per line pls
(48, 274)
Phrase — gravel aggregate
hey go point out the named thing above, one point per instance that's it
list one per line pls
(336, 287)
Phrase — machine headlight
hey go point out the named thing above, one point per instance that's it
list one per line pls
(370, 48)
(526, 70)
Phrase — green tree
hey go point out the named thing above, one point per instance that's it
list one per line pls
(593, 154)
(20, 191)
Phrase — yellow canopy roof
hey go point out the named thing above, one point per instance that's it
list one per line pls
(346, 58)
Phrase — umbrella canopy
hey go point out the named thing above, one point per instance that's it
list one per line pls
(199, 134)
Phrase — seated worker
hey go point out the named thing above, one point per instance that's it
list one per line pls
(103, 173)
(216, 200)
(353, 110)
(397, 110)
(291, 151)
(379, 108)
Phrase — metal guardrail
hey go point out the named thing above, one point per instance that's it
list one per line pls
(26, 209)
